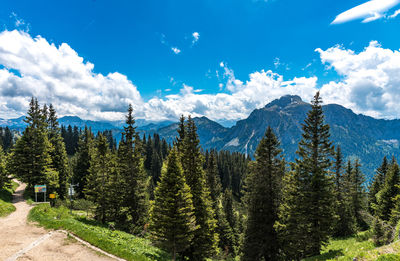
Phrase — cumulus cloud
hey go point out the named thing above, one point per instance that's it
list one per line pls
(371, 79)
(261, 88)
(370, 84)
(58, 75)
(369, 11)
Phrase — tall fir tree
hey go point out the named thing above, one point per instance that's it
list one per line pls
(376, 185)
(313, 209)
(227, 239)
(358, 195)
(58, 154)
(135, 180)
(100, 180)
(172, 219)
(387, 196)
(205, 242)
(263, 199)
(345, 224)
(83, 156)
(30, 159)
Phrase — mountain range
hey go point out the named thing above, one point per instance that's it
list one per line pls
(358, 135)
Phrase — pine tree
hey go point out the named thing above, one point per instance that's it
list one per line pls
(100, 179)
(263, 199)
(83, 156)
(58, 154)
(358, 195)
(376, 185)
(30, 159)
(205, 240)
(134, 187)
(227, 239)
(172, 219)
(345, 224)
(387, 196)
(309, 203)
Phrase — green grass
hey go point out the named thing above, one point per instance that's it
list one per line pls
(347, 248)
(6, 207)
(361, 247)
(118, 243)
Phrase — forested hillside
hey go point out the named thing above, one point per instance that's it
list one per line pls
(198, 204)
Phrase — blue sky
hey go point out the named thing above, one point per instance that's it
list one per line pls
(217, 42)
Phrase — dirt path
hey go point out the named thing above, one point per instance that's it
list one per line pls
(22, 241)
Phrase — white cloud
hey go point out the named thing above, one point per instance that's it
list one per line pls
(196, 37)
(369, 11)
(395, 14)
(371, 80)
(58, 75)
(175, 50)
(261, 88)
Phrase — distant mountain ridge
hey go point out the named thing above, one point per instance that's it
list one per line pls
(358, 135)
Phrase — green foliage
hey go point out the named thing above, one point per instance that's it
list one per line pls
(101, 178)
(172, 222)
(116, 242)
(307, 215)
(376, 185)
(345, 224)
(358, 194)
(82, 165)
(5, 180)
(58, 153)
(386, 197)
(227, 242)
(6, 207)
(205, 242)
(30, 159)
(263, 197)
(133, 181)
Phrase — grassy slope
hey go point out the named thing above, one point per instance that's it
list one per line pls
(360, 247)
(6, 207)
(115, 242)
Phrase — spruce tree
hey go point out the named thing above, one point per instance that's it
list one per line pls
(30, 159)
(227, 239)
(345, 224)
(387, 196)
(172, 219)
(100, 179)
(134, 186)
(377, 185)
(83, 156)
(312, 209)
(263, 199)
(205, 242)
(58, 154)
(358, 195)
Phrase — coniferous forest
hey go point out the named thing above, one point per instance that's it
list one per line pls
(197, 204)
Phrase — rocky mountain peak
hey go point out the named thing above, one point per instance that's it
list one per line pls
(285, 101)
